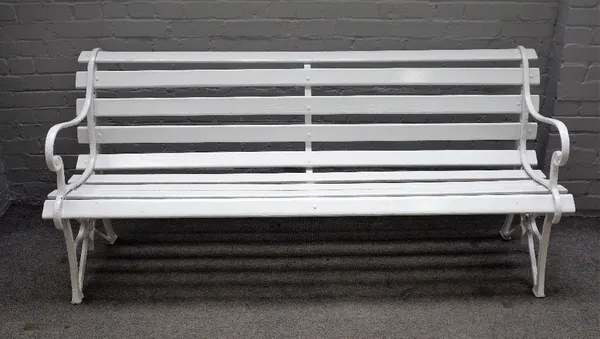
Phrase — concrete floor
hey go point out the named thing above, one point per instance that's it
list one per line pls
(449, 277)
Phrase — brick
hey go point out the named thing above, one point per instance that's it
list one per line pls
(257, 28)
(537, 12)
(21, 66)
(415, 29)
(87, 11)
(493, 11)
(527, 29)
(590, 108)
(30, 48)
(577, 187)
(399, 10)
(449, 11)
(57, 65)
(572, 73)
(307, 28)
(578, 35)
(585, 91)
(565, 108)
(473, 29)
(114, 10)
(586, 140)
(140, 28)
(281, 10)
(595, 187)
(583, 3)
(22, 146)
(58, 12)
(7, 13)
(39, 99)
(582, 124)
(197, 28)
(584, 16)
(169, 10)
(233, 10)
(593, 73)
(576, 172)
(140, 9)
(29, 12)
(30, 31)
(3, 67)
(76, 29)
(581, 53)
(587, 202)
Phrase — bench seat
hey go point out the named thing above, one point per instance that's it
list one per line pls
(315, 194)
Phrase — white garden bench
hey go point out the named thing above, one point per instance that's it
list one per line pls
(350, 181)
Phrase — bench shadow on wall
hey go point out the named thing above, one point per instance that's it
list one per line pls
(306, 258)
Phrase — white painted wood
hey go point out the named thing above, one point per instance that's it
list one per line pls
(308, 57)
(290, 105)
(300, 133)
(303, 77)
(166, 191)
(454, 158)
(397, 176)
(296, 207)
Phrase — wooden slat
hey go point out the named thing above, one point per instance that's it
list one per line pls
(312, 77)
(297, 207)
(487, 158)
(315, 133)
(166, 191)
(308, 57)
(396, 176)
(360, 104)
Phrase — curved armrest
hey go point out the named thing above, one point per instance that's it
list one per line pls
(559, 158)
(54, 162)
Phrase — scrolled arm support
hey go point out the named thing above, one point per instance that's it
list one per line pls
(55, 162)
(559, 158)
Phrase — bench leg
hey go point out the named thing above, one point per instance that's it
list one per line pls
(109, 234)
(507, 229)
(85, 237)
(538, 285)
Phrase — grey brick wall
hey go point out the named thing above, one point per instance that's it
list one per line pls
(39, 42)
(573, 96)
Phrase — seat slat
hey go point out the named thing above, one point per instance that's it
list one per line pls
(325, 105)
(453, 158)
(318, 206)
(397, 176)
(157, 191)
(308, 57)
(316, 133)
(308, 77)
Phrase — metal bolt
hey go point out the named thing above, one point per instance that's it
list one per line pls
(314, 207)
(308, 108)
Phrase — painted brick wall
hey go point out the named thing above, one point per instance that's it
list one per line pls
(39, 42)
(573, 96)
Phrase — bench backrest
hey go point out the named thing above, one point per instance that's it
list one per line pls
(309, 109)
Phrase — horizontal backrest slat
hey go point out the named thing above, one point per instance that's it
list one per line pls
(371, 176)
(308, 57)
(290, 105)
(452, 158)
(315, 133)
(308, 77)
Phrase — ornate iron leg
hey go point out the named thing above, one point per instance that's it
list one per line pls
(538, 287)
(507, 228)
(109, 234)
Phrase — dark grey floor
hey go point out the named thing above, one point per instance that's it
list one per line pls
(449, 277)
